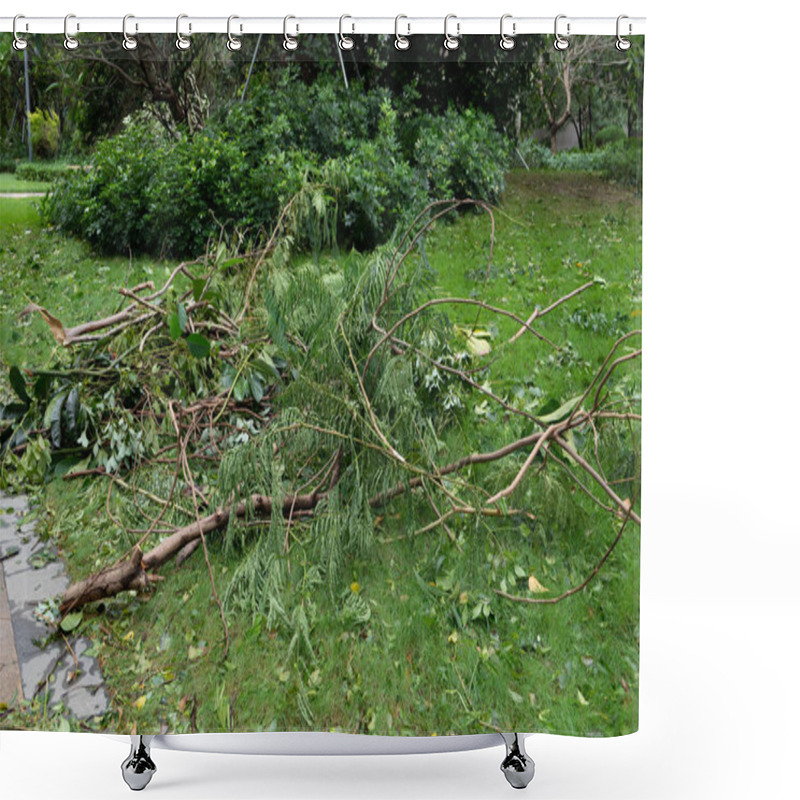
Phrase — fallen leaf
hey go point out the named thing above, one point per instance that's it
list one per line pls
(138, 704)
(535, 586)
(581, 699)
(56, 327)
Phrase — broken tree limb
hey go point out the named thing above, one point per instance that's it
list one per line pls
(132, 574)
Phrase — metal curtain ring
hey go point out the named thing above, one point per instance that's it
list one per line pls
(560, 42)
(452, 42)
(70, 42)
(289, 42)
(18, 43)
(233, 43)
(128, 41)
(507, 42)
(181, 42)
(401, 42)
(622, 44)
(345, 42)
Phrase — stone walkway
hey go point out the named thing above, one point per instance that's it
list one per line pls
(14, 195)
(30, 573)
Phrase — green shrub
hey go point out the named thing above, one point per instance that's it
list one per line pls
(608, 135)
(38, 171)
(108, 204)
(7, 164)
(44, 133)
(461, 155)
(622, 162)
(198, 184)
(375, 187)
(149, 194)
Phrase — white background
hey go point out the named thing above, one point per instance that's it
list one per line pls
(720, 606)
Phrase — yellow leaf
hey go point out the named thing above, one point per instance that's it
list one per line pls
(55, 324)
(462, 598)
(453, 637)
(355, 587)
(581, 699)
(535, 586)
(128, 637)
(139, 703)
(477, 339)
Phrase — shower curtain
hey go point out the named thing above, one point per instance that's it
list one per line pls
(320, 403)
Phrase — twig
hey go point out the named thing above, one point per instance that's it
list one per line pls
(575, 589)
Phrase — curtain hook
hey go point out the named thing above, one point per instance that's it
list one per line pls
(18, 43)
(507, 42)
(70, 42)
(345, 42)
(289, 42)
(181, 42)
(452, 42)
(233, 43)
(561, 43)
(128, 41)
(401, 42)
(622, 43)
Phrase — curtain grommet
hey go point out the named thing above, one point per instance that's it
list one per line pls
(345, 42)
(18, 43)
(507, 41)
(128, 42)
(622, 44)
(181, 42)
(560, 42)
(401, 42)
(233, 44)
(289, 42)
(452, 42)
(70, 42)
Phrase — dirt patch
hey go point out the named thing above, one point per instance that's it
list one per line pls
(579, 185)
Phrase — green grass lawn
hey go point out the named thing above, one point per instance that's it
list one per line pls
(10, 183)
(17, 214)
(412, 636)
(59, 273)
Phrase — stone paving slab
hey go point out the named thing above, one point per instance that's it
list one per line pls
(33, 574)
(10, 679)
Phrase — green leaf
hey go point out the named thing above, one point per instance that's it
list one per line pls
(198, 284)
(72, 408)
(240, 388)
(561, 413)
(182, 318)
(53, 416)
(71, 621)
(256, 387)
(174, 326)
(18, 385)
(199, 346)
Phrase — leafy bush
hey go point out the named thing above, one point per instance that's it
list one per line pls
(197, 184)
(462, 155)
(7, 164)
(108, 204)
(151, 194)
(622, 162)
(608, 135)
(44, 133)
(377, 187)
(38, 171)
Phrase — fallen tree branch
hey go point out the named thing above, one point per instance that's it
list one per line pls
(130, 574)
